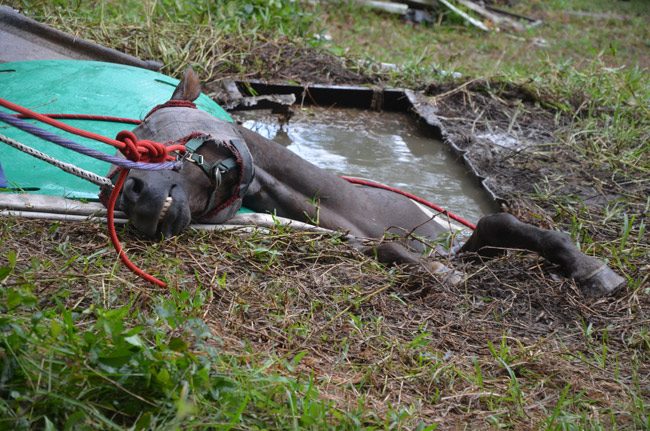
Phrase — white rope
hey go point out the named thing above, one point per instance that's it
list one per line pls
(69, 168)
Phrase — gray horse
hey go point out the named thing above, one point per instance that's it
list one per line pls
(227, 165)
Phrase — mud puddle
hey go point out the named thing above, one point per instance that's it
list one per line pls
(386, 147)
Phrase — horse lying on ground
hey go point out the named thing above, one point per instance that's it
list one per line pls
(227, 165)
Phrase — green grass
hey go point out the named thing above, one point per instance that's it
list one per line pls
(145, 367)
(456, 47)
(292, 331)
(213, 36)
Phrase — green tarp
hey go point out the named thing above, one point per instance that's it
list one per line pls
(77, 87)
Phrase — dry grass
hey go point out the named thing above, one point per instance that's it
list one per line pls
(511, 346)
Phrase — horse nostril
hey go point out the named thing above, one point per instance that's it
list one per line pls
(133, 187)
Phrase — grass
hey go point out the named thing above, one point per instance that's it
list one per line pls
(289, 330)
(285, 340)
(456, 47)
(120, 358)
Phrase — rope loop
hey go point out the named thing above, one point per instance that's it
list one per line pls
(142, 150)
(130, 149)
(153, 152)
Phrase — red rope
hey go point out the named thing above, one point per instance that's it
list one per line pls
(113, 233)
(412, 197)
(88, 117)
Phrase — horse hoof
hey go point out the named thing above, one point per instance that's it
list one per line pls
(604, 281)
(447, 275)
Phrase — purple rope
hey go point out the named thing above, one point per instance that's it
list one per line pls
(66, 143)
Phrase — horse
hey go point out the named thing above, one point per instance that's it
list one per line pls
(226, 166)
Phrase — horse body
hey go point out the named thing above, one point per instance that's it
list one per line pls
(163, 203)
(284, 184)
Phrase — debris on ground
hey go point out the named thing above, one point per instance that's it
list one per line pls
(477, 14)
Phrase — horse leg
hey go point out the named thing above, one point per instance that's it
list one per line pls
(396, 253)
(505, 231)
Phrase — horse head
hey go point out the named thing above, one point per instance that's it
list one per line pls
(215, 172)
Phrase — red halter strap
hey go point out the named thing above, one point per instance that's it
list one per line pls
(172, 104)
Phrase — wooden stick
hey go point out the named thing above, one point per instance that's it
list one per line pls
(532, 21)
(424, 4)
(468, 18)
(389, 7)
(498, 20)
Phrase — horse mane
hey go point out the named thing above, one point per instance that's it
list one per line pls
(189, 88)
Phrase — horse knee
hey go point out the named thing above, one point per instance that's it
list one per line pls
(556, 242)
(492, 233)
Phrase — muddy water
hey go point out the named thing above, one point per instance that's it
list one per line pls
(386, 147)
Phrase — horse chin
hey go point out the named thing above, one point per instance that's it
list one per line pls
(176, 220)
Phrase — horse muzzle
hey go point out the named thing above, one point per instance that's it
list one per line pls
(156, 206)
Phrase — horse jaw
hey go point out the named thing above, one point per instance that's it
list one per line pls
(174, 215)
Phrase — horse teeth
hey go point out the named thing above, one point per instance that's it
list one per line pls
(165, 208)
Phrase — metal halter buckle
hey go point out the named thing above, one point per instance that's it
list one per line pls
(195, 158)
(217, 176)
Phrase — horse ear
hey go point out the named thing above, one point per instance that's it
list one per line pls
(189, 88)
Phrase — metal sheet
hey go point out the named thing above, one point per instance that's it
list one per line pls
(62, 209)
(22, 38)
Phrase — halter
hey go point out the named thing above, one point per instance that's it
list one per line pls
(242, 159)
